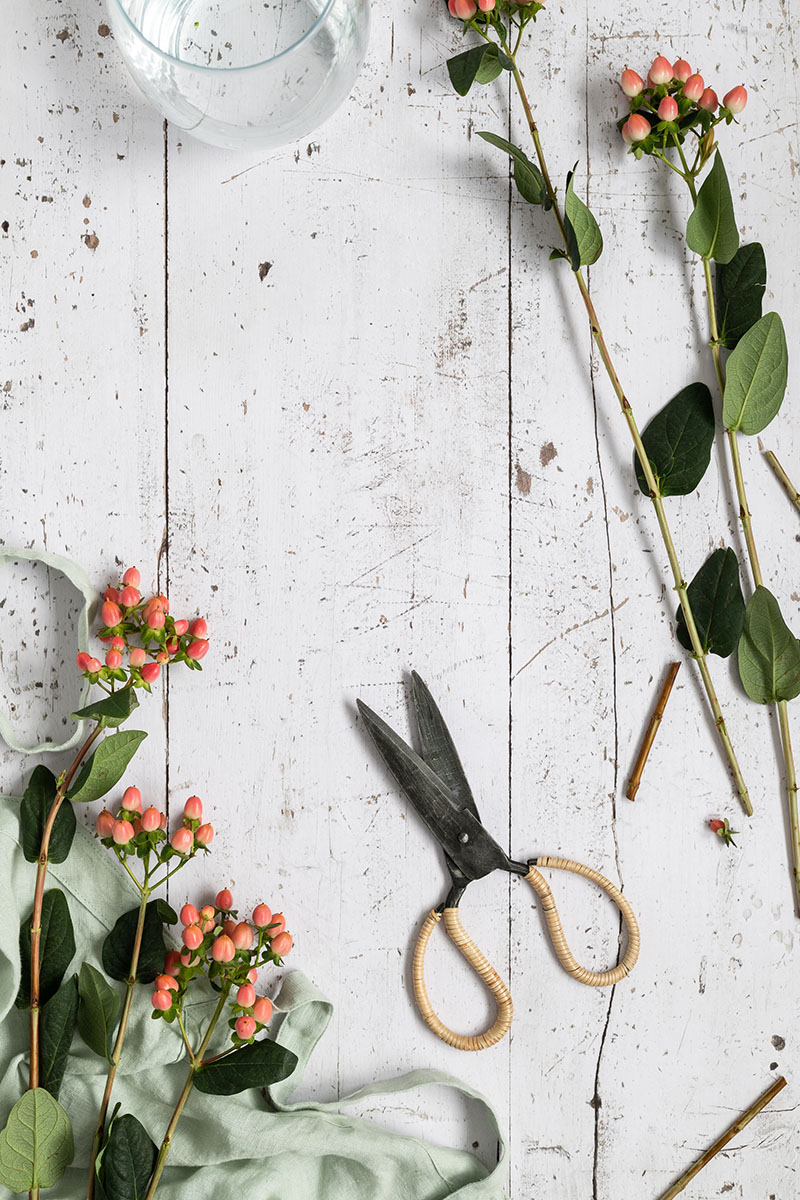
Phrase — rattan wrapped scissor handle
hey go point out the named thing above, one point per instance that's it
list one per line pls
(480, 964)
(565, 955)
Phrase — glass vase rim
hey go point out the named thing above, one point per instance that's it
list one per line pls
(117, 5)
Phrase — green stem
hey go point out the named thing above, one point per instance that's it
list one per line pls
(652, 485)
(791, 794)
(184, 1096)
(116, 1053)
(791, 490)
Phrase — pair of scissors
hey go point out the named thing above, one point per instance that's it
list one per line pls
(436, 785)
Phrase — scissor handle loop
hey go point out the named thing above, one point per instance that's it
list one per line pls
(565, 955)
(480, 964)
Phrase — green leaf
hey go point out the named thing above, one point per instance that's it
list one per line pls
(711, 230)
(769, 654)
(678, 442)
(112, 711)
(106, 766)
(256, 1065)
(527, 176)
(56, 948)
(36, 1146)
(33, 814)
(588, 244)
(755, 377)
(717, 603)
(56, 1027)
(97, 1016)
(118, 946)
(464, 68)
(129, 1157)
(740, 292)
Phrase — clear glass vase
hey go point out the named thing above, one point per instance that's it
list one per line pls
(260, 73)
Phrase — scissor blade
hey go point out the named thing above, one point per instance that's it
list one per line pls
(438, 748)
(458, 830)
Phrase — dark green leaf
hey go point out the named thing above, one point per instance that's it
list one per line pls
(588, 239)
(527, 176)
(56, 1027)
(106, 766)
(56, 948)
(678, 442)
(740, 292)
(717, 603)
(112, 711)
(36, 1146)
(33, 814)
(711, 230)
(128, 1160)
(97, 1016)
(769, 654)
(256, 1065)
(118, 946)
(463, 69)
(755, 377)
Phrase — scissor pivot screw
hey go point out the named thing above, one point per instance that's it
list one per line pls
(463, 837)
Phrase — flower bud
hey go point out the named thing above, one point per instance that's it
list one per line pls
(223, 949)
(660, 71)
(166, 982)
(83, 660)
(224, 900)
(638, 127)
(132, 800)
(282, 944)
(110, 614)
(631, 83)
(132, 578)
(261, 916)
(198, 649)
(246, 996)
(198, 627)
(122, 832)
(205, 835)
(193, 809)
(243, 936)
(182, 840)
(156, 620)
(229, 927)
(278, 924)
(138, 657)
(681, 70)
(693, 87)
(192, 937)
(151, 672)
(668, 109)
(180, 627)
(151, 820)
(709, 100)
(262, 1010)
(113, 659)
(246, 1026)
(105, 824)
(162, 999)
(172, 962)
(189, 915)
(735, 99)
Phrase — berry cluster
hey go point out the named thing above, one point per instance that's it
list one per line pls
(229, 952)
(133, 831)
(465, 10)
(674, 100)
(142, 630)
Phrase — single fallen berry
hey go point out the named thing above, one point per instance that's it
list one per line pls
(735, 99)
(723, 830)
(631, 83)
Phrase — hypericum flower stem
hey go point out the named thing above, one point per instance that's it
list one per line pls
(184, 1096)
(38, 898)
(116, 1053)
(654, 490)
(727, 1136)
(791, 490)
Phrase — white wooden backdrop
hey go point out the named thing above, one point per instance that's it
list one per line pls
(391, 447)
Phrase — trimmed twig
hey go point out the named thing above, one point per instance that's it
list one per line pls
(722, 1142)
(791, 490)
(652, 730)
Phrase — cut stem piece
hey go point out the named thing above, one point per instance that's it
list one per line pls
(652, 730)
(791, 490)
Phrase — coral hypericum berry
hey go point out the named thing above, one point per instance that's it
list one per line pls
(246, 996)
(223, 949)
(638, 127)
(245, 1027)
(132, 799)
(192, 937)
(205, 835)
(151, 672)
(282, 944)
(198, 627)
(224, 900)
(110, 614)
(83, 661)
(122, 832)
(132, 578)
(668, 109)
(735, 99)
(193, 809)
(105, 823)
(709, 100)
(693, 88)
(151, 820)
(660, 71)
(198, 649)
(262, 1010)
(261, 916)
(681, 70)
(243, 936)
(631, 83)
(182, 840)
(162, 999)
(189, 915)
